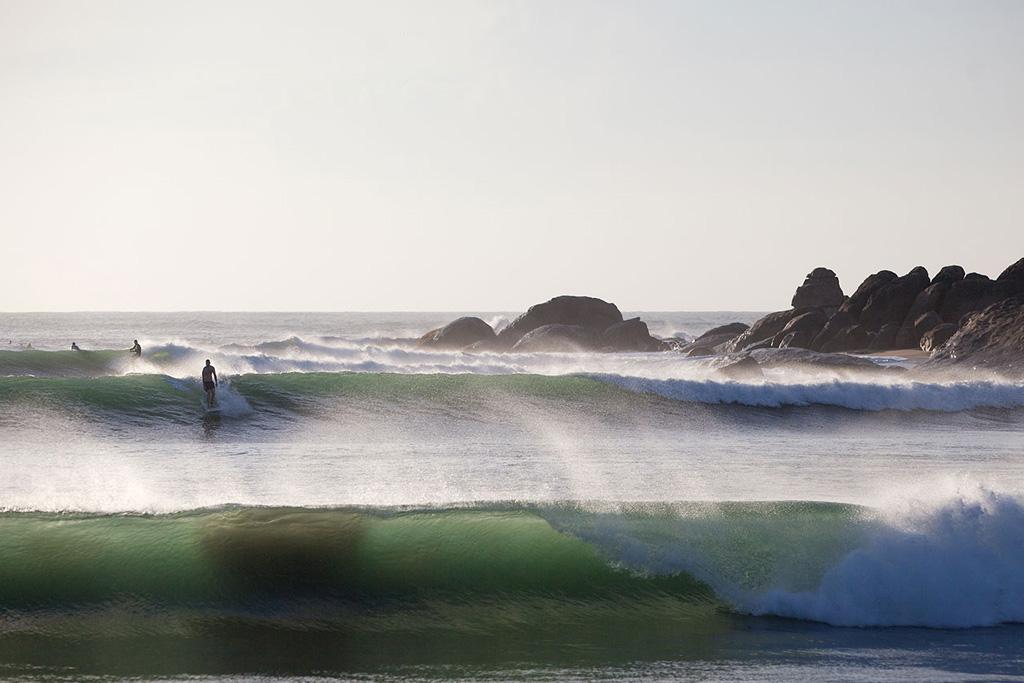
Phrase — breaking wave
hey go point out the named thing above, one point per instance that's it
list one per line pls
(956, 563)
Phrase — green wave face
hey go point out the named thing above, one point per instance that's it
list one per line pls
(162, 397)
(246, 557)
(64, 363)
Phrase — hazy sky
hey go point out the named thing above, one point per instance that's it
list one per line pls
(487, 155)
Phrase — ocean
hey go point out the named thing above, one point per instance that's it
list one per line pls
(361, 508)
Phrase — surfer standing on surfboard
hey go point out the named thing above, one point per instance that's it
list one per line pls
(210, 383)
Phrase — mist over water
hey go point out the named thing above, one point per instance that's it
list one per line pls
(355, 484)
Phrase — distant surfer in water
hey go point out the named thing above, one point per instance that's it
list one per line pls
(136, 349)
(74, 347)
(210, 383)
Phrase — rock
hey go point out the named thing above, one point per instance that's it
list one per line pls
(714, 340)
(458, 334)
(949, 274)
(793, 340)
(707, 345)
(800, 331)
(927, 301)
(926, 322)
(973, 293)
(937, 336)
(556, 338)
(630, 335)
(885, 339)
(742, 370)
(840, 320)
(993, 338)
(850, 338)
(855, 304)
(820, 289)
(764, 330)
(587, 312)
(890, 303)
(1012, 279)
(735, 329)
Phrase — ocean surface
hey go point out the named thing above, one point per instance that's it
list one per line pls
(364, 509)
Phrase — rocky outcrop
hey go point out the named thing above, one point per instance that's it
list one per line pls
(820, 289)
(886, 312)
(556, 338)
(565, 323)
(458, 334)
(630, 335)
(993, 338)
(587, 312)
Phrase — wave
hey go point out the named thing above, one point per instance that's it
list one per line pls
(959, 563)
(161, 397)
(903, 395)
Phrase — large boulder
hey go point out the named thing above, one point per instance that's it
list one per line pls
(735, 329)
(800, 331)
(714, 340)
(764, 330)
(890, 303)
(926, 322)
(971, 294)
(458, 334)
(820, 290)
(557, 338)
(928, 301)
(1011, 280)
(993, 338)
(849, 338)
(840, 320)
(587, 312)
(885, 338)
(949, 274)
(855, 304)
(937, 336)
(630, 335)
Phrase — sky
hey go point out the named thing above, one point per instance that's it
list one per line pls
(471, 155)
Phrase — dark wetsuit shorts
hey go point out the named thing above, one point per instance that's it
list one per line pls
(208, 386)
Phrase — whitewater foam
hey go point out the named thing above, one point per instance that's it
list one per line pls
(952, 564)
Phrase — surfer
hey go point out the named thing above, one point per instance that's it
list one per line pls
(136, 349)
(210, 383)
(74, 347)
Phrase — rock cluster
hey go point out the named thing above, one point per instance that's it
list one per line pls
(562, 324)
(953, 315)
(886, 312)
